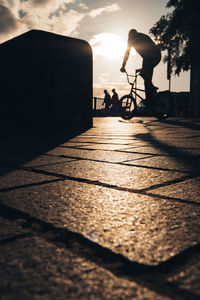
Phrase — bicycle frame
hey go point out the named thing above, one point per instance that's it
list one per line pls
(133, 85)
(161, 103)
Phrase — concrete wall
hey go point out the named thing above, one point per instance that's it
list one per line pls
(46, 82)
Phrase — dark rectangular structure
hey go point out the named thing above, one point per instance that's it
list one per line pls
(46, 82)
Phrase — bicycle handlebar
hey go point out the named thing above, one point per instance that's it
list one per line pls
(137, 72)
(127, 75)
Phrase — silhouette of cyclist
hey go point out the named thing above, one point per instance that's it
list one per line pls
(151, 55)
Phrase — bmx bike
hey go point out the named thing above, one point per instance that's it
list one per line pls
(161, 102)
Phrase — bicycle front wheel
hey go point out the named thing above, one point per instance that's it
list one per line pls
(127, 107)
(162, 105)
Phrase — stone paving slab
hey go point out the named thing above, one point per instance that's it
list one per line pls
(39, 269)
(142, 228)
(120, 175)
(125, 194)
(13, 180)
(188, 191)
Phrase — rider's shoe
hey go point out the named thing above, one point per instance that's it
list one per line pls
(154, 88)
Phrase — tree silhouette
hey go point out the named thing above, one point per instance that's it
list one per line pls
(179, 33)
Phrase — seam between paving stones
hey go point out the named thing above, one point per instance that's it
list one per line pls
(124, 163)
(144, 192)
(154, 277)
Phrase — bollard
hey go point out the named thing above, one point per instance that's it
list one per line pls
(46, 82)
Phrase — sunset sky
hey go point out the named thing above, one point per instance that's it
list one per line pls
(103, 24)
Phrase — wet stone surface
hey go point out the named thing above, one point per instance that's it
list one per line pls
(113, 213)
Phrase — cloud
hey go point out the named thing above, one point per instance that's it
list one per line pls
(104, 77)
(39, 2)
(83, 6)
(66, 24)
(105, 81)
(58, 16)
(8, 21)
(98, 11)
(44, 7)
(54, 16)
(53, 5)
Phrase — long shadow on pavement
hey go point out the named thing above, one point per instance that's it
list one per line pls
(19, 147)
(189, 160)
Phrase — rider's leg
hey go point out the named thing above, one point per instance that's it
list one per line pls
(147, 73)
(149, 93)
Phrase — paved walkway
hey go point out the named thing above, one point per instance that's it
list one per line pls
(113, 213)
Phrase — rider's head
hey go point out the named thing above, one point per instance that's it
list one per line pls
(113, 90)
(132, 34)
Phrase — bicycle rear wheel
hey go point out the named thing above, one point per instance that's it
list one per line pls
(162, 105)
(127, 107)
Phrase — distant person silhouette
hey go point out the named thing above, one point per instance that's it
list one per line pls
(107, 100)
(151, 55)
(115, 102)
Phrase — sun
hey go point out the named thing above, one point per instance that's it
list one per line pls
(108, 45)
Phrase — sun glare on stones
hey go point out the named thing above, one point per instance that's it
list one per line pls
(108, 45)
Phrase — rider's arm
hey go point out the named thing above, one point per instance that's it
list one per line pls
(126, 56)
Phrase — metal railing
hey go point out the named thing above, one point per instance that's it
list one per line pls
(98, 107)
(97, 104)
